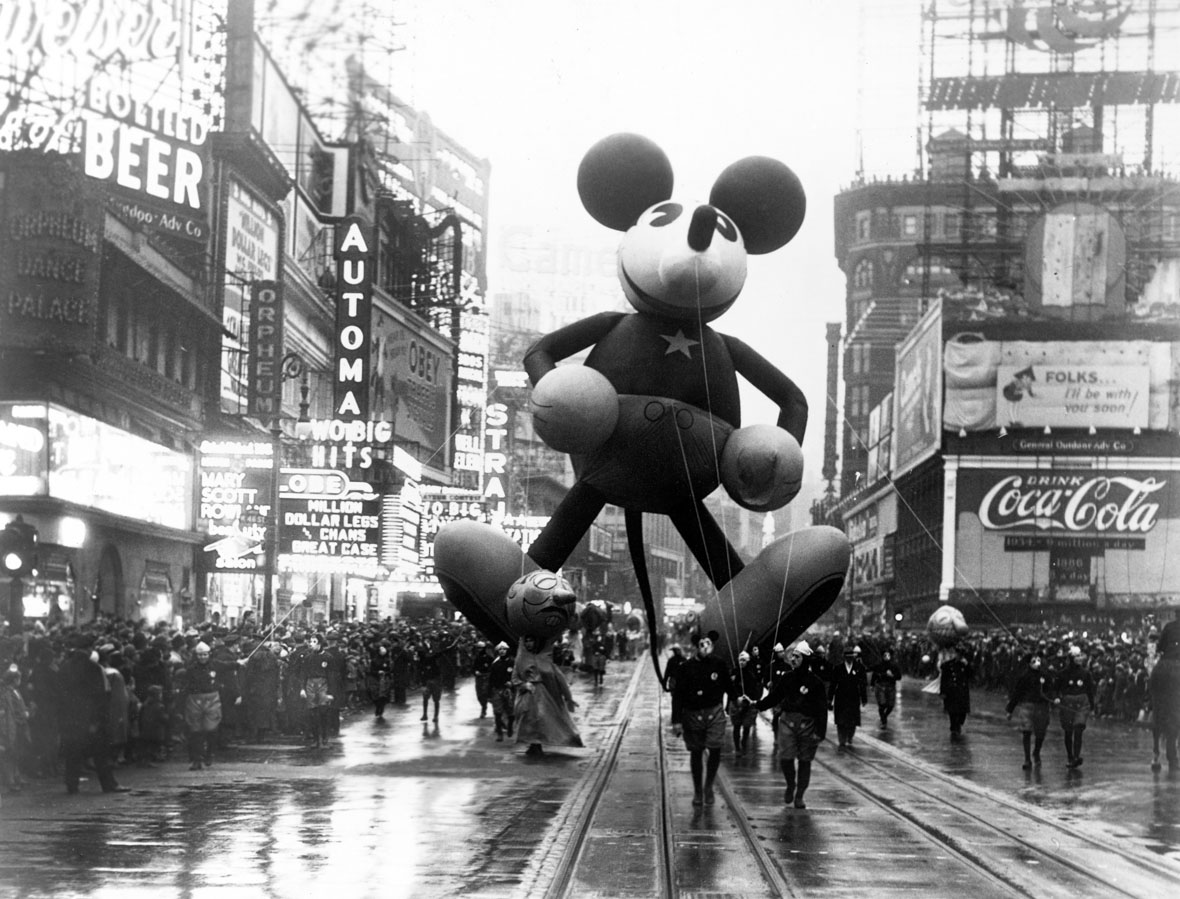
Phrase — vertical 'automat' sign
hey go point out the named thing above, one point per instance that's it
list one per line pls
(354, 316)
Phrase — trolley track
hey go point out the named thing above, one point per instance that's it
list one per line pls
(876, 818)
(1056, 858)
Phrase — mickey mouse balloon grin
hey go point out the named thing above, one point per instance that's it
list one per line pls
(652, 419)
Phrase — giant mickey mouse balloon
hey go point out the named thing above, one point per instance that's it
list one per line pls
(652, 420)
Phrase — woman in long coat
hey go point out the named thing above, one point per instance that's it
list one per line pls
(260, 691)
(850, 691)
(543, 699)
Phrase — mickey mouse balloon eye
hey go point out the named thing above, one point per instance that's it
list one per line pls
(664, 214)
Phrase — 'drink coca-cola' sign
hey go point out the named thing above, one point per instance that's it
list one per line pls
(1106, 503)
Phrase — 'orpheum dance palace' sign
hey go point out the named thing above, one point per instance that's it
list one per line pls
(1076, 529)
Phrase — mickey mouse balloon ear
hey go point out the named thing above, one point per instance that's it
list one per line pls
(765, 200)
(621, 176)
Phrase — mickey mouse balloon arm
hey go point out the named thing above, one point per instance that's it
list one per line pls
(773, 384)
(542, 357)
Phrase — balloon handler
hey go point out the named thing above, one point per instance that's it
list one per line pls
(652, 420)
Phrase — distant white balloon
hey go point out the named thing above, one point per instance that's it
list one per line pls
(946, 626)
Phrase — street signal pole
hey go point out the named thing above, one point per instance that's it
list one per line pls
(18, 560)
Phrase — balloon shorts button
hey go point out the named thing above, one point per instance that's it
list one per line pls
(685, 419)
(654, 410)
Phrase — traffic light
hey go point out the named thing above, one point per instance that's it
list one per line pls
(18, 549)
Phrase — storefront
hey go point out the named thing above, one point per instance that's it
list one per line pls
(870, 525)
(110, 509)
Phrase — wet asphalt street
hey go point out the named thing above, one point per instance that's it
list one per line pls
(403, 808)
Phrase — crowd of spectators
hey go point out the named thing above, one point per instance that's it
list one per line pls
(146, 666)
(1118, 660)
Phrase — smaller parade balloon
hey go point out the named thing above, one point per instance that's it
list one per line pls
(946, 626)
(540, 605)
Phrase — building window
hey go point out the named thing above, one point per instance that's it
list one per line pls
(858, 358)
(952, 226)
(863, 226)
(909, 225)
(862, 277)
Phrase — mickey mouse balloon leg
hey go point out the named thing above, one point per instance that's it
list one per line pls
(568, 524)
(476, 564)
(782, 592)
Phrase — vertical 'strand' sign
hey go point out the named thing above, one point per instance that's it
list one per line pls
(354, 316)
(265, 396)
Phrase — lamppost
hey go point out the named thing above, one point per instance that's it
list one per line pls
(18, 559)
(291, 367)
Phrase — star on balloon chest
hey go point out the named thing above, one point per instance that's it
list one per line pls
(679, 343)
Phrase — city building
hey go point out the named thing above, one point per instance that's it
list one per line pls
(1009, 430)
(234, 347)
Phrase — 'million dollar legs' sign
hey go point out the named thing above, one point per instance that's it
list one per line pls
(354, 305)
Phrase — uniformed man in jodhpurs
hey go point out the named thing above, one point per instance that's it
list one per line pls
(802, 722)
(702, 684)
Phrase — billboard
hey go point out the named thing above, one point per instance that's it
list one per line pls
(1081, 384)
(328, 522)
(411, 381)
(131, 87)
(253, 235)
(51, 228)
(235, 503)
(1116, 528)
(917, 428)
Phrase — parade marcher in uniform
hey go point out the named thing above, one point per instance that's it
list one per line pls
(224, 657)
(850, 691)
(671, 668)
(378, 678)
(702, 684)
(745, 690)
(481, 665)
(775, 671)
(1075, 700)
(1030, 699)
(84, 708)
(543, 699)
(337, 682)
(798, 697)
(315, 672)
(430, 657)
(597, 654)
(955, 687)
(500, 688)
(399, 670)
(757, 664)
(884, 680)
(202, 706)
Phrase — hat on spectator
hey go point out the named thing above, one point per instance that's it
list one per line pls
(743, 656)
(802, 647)
(778, 647)
(1075, 651)
(501, 645)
